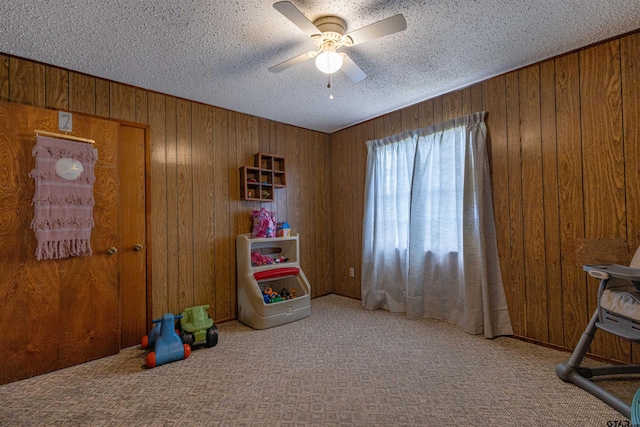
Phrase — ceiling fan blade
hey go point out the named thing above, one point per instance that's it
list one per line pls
(352, 70)
(294, 15)
(291, 62)
(393, 24)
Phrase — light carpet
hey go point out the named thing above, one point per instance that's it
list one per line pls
(342, 366)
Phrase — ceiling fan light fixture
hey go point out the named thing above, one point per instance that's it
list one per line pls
(329, 34)
(329, 61)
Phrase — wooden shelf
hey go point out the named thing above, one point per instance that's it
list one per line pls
(258, 182)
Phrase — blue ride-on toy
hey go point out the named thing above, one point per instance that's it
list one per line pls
(167, 345)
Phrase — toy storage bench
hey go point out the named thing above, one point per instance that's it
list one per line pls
(253, 279)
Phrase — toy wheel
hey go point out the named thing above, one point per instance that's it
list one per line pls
(212, 336)
(187, 350)
(187, 338)
(145, 342)
(151, 359)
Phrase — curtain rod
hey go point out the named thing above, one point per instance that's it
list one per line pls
(65, 136)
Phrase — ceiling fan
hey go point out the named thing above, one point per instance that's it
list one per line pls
(329, 35)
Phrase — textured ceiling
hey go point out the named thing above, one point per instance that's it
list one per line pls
(218, 51)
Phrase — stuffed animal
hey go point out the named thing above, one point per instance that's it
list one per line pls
(258, 259)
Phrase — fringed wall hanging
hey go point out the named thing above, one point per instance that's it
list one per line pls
(63, 200)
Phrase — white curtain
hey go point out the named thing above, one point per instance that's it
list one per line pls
(429, 243)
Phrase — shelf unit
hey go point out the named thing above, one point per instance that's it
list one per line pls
(259, 182)
(252, 310)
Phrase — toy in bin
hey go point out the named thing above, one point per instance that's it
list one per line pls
(196, 327)
(269, 295)
(283, 229)
(259, 259)
(167, 345)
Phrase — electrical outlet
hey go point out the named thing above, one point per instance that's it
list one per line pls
(352, 272)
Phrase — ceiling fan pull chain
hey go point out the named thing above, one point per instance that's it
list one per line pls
(329, 86)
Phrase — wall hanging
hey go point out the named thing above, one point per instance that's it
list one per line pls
(63, 200)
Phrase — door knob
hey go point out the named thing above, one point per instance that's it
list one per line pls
(138, 247)
(112, 250)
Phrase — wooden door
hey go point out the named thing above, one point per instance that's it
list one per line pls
(54, 313)
(133, 241)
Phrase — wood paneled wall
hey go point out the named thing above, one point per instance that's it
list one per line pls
(564, 139)
(196, 151)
